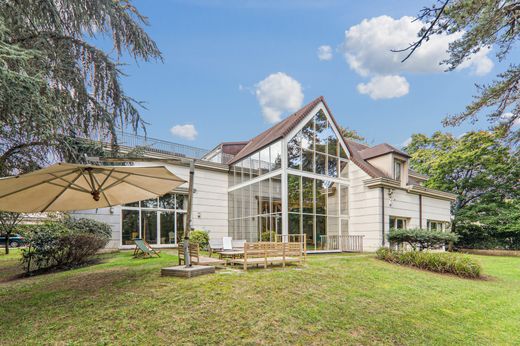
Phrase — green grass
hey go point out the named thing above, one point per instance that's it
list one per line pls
(333, 299)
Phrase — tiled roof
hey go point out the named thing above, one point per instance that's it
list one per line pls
(380, 149)
(276, 132)
(355, 149)
(232, 148)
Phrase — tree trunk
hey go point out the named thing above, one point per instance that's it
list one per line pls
(187, 259)
(7, 243)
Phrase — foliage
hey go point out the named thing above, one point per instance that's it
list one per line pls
(8, 223)
(445, 262)
(55, 83)
(268, 236)
(200, 237)
(421, 238)
(351, 134)
(481, 24)
(484, 172)
(88, 226)
(62, 245)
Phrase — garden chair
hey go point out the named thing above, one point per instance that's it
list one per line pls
(227, 243)
(143, 249)
(215, 245)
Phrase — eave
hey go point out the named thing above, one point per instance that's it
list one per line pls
(413, 189)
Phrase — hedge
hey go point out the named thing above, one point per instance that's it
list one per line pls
(440, 262)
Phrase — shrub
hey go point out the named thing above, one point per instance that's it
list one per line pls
(200, 237)
(62, 244)
(268, 236)
(440, 262)
(88, 226)
(421, 238)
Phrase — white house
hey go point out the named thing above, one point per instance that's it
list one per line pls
(298, 177)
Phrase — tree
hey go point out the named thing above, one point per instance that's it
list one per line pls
(8, 223)
(351, 134)
(480, 168)
(482, 23)
(55, 83)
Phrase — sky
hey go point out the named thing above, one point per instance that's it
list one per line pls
(234, 68)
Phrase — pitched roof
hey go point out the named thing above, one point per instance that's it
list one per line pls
(379, 150)
(276, 132)
(355, 149)
(232, 148)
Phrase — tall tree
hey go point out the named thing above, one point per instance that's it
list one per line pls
(481, 169)
(483, 23)
(8, 223)
(55, 83)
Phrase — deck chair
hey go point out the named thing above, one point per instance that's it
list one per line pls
(143, 249)
(227, 243)
(215, 245)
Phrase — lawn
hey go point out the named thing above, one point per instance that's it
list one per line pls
(333, 299)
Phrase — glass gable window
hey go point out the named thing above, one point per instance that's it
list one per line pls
(316, 149)
(157, 220)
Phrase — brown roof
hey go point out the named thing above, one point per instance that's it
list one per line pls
(276, 132)
(232, 148)
(379, 150)
(355, 149)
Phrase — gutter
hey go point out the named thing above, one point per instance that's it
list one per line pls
(383, 216)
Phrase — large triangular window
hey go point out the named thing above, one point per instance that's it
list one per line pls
(316, 149)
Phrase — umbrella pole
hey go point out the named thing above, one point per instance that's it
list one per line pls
(187, 259)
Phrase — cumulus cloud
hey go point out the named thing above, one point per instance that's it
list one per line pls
(278, 93)
(368, 51)
(385, 87)
(368, 45)
(325, 53)
(186, 131)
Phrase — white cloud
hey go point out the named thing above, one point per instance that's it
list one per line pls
(278, 93)
(385, 87)
(508, 116)
(186, 131)
(325, 53)
(368, 45)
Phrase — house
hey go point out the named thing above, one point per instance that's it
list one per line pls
(299, 177)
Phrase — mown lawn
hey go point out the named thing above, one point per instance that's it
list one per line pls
(333, 299)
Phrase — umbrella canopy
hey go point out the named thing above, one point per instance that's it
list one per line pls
(65, 186)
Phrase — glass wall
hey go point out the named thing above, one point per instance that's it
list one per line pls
(157, 220)
(261, 162)
(255, 211)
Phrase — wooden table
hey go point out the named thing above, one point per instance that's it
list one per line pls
(231, 254)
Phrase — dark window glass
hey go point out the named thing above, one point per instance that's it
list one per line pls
(167, 201)
(321, 162)
(321, 196)
(294, 159)
(130, 225)
(343, 168)
(181, 201)
(308, 161)
(294, 223)
(294, 184)
(134, 204)
(332, 165)
(332, 143)
(167, 227)
(149, 226)
(149, 203)
(321, 233)
(308, 230)
(307, 195)
(181, 222)
(307, 139)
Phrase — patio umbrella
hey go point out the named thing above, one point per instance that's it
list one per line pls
(65, 186)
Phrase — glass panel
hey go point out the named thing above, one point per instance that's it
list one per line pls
(130, 226)
(167, 227)
(308, 161)
(294, 186)
(342, 153)
(294, 223)
(167, 201)
(181, 222)
(181, 201)
(321, 126)
(308, 230)
(149, 226)
(246, 201)
(255, 165)
(332, 230)
(264, 197)
(321, 167)
(344, 200)
(397, 170)
(240, 172)
(399, 224)
(332, 164)
(264, 161)
(321, 196)
(255, 199)
(276, 199)
(307, 195)
(307, 133)
(321, 233)
(246, 170)
(134, 204)
(332, 143)
(276, 155)
(149, 203)
(343, 168)
(294, 159)
(332, 200)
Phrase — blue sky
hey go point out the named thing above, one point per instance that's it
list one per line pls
(217, 53)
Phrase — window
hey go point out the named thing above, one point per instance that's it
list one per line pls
(435, 225)
(398, 222)
(157, 220)
(397, 169)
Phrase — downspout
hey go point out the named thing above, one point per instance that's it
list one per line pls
(383, 216)
(420, 211)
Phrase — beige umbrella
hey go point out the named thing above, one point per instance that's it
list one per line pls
(65, 186)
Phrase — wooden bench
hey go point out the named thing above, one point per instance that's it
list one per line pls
(196, 258)
(266, 253)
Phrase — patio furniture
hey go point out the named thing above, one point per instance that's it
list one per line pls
(227, 243)
(143, 249)
(265, 253)
(238, 244)
(215, 245)
(196, 258)
(231, 254)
